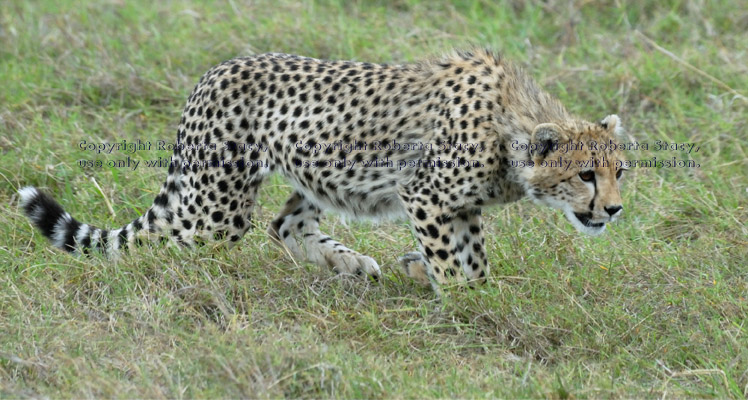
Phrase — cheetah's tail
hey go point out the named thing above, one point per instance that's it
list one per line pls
(72, 236)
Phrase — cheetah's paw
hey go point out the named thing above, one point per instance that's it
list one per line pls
(414, 265)
(353, 263)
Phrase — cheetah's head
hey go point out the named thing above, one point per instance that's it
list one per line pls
(577, 170)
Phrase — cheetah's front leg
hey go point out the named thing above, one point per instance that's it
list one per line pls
(451, 243)
(439, 261)
(468, 232)
(468, 245)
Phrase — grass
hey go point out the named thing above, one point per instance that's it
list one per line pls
(655, 308)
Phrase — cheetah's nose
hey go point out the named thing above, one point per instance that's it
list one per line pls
(613, 210)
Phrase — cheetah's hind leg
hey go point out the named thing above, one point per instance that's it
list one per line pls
(299, 220)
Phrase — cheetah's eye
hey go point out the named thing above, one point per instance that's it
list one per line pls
(619, 173)
(587, 176)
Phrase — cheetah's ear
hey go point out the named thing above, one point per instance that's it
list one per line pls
(612, 124)
(545, 136)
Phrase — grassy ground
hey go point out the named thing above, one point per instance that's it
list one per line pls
(655, 308)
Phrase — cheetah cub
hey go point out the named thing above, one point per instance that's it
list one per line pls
(435, 141)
